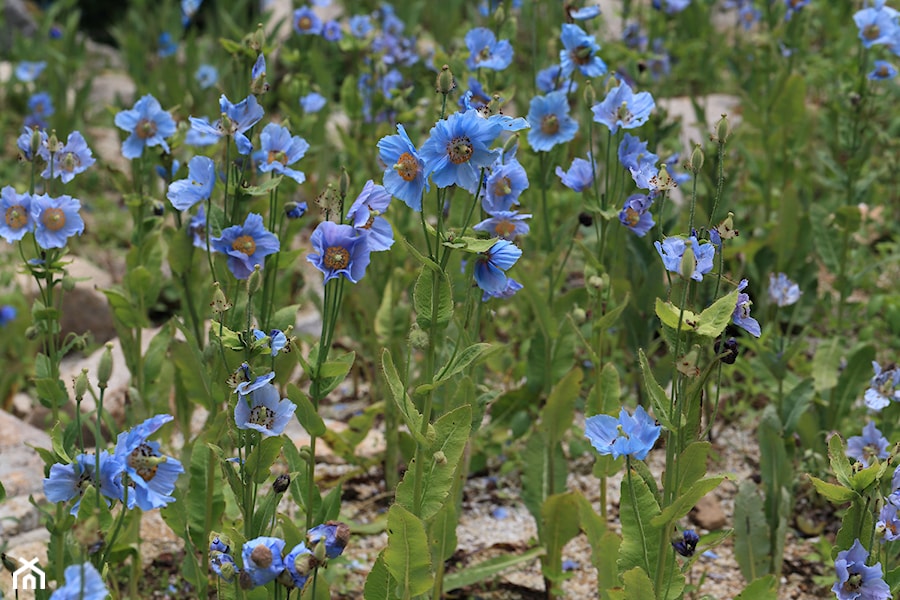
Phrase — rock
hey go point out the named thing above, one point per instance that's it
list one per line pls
(111, 88)
(157, 538)
(708, 514)
(21, 469)
(18, 516)
(106, 142)
(697, 131)
(24, 547)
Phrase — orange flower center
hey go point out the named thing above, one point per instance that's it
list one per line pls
(336, 257)
(304, 23)
(504, 228)
(503, 187)
(632, 217)
(277, 155)
(53, 219)
(69, 162)
(245, 244)
(137, 460)
(16, 216)
(407, 166)
(460, 150)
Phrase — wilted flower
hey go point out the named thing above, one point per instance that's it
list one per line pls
(629, 435)
(687, 544)
(741, 316)
(262, 559)
(333, 534)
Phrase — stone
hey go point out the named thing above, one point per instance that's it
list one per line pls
(111, 88)
(708, 514)
(106, 142)
(696, 129)
(21, 469)
(25, 547)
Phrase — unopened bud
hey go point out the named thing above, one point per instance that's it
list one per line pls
(104, 369)
(446, 83)
(68, 284)
(305, 563)
(257, 39)
(219, 302)
(319, 552)
(586, 219)
(53, 143)
(81, 384)
(695, 163)
(579, 315)
(344, 183)
(31, 333)
(723, 129)
(688, 261)
(417, 338)
(35, 142)
(590, 96)
(281, 483)
(440, 458)
(159, 209)
(255, 280)
(493, 107)
(227, 570)
(727, 351)
(295, 210)
(596, 282)
(244, 580)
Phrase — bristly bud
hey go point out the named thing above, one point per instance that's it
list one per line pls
(723, 130)
(446, 83)
(727, 351)
(493, 107)
(35, 142)
(688, 262)
(227, 569)
(257, 39)
(344, 183)
(329, 200)
(579, 315)
(590, 96)
(53, 144)
(726, 228)
(305, 563)
(695, 163)
(104, 369)
(417, 338)
(281, 483)
(319, 552)
(255, 280)
(219, 302)
(81, 384)
(31, 332)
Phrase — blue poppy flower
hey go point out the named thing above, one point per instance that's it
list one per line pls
(299, 562)
(580, 175)
(883, 388)
(475, 97)
(485, 52)
(207, 76)
(360, 26)
(339, 250)
(197, 230)
(623, 108)
(748, 16)
(888, 522)
(202, 134)
(295, 210)
(246, 245)
(580, 52)
(238, 118)
(312, 102)
(671, 6)
(584, 13)
(458, 148)
(491, 266)
(8, 314)
(41, 105)
(306, 22)
(189, 9)
(633, 38)
(783, 291)
(550, 121)
(147, 124)
(877, 25)
(504, 186)
(512, 286)
(56, 220)
(279, 149)
(82, 582)
(276, 340)
(505, 225)
(404, 176)
(635, 215)
(672, 251)
(68, 481)
(334, 534)
(553, 79)
(262, 559)
(70, 160)
(870, 445)
(263, 410)
(883, 70)
(16, 209)
(794, 6)
(332, 32)
(198, 186)
(26, 141)
(633, 153)
(27, 71)
(247, 387)
(855, 580)
(152, 474)
(365, 215)
(628, 435)
(741, 316)
(166, 45)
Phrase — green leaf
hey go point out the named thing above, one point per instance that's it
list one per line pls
(56, 442)
(657, 395)
(203, 487)
(609, 317)
(546, 473)
(692, 463)
(262, 457)
(472, 245)
(407, 557)
(488, 569)
(686, 501)
(379, 583)
(604, 397)
(835, 493)
(2, 492)
(825, 364)
(671, 316)
(640, 538)
(426, 262)
(827, 244)
(264, 188)
(638, 584)
(330, 508)
(333, 372)
(451, 435)
(306, 413)
(764, 588)
(284, 317)
(859, 517)
(411, 415)
(559, 412)
(715, 318)
(560, 523)
(461, 361)
(796, 402)
(442, 533)
(751, 532)
(422, 296)
(840, 464)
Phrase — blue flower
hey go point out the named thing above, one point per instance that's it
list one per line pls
(312, 102)
(246, 387)
(672, 6)
(635, 215)
(299, 563)
(877, 25)
(687, 544)
(202, 135)
(197, 230)
(339, 250)
(262, 559)
(365, 215)
(306, 22)
(152, 474)
(504, 186)
(56, 220)
(491, 266)
(263, 411)
(671, 165)
(331, 31)
(794, 6)
(198, 186)
(485, 52)
(888, 522)
(553, 79)
(25, 140)
(458, 148)
(871, 444)
(295, 210)
(404, 176)
(633, 154)
(28, 71)
(633, 38)
(223, 565)
(855, 580)
(41, 105)
(276, 340)
(147, 124)
(506, 225)
(16, 209)
(8, 313)
(246, 245)
(512, 286)
(741, 315)
(238, 118)
(279, 150)
(672, 251)
(68, 481)
(783, 291)
(360, 26)
(207, 76)
(70, 160)
(748, 15)
(623, 108)
(580, 51)
(475, 97)
(629, 435)
(167, 47)
(580, 175)
(258, 83)
(83, 582)
(189, 8)
(883, 70)
(550, 121)
(333, 534)
(883, 388)
(583, 14)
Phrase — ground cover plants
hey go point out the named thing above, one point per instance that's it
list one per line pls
(514, 245)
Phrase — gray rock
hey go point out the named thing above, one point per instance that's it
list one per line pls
(21, 469)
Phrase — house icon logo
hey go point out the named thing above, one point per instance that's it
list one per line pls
(29, 576)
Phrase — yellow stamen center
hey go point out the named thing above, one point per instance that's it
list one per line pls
(53, 219)
(407, 166)
(245, 244)
(16, 216)
(336, 257)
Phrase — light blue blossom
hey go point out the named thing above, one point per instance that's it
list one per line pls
(457, 148)
(246, 245)
(623, 108)
(262, 559)
(504, 186)
(506, 225)
(197, 187)
(783, 291)
(306, 22)
(635, 215)
(237, 119)
(672, 249)
(491, 266)
(404, 176)
(580, 52)
(67, 481)
(741, 315)
(365, 215)
(18, 218)
(580, 175)
(279, 149)
(147, 124)
(27, 71)
(485, 52)
(56, 220)
(313, 102)
(263, 410)
(883, 388)
(152, 474)
(550, 121)
(628, 435)
(70, 160)
(82, 582)
(855, 580)
(339, 250)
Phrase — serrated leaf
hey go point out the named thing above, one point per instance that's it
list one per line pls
(692, 463)
(638, 584)
(714, 319)
(640, 539)
(840, 464)
(407, 557)
(835, 493)
(306, 412)
(423, 298)
(379, 583)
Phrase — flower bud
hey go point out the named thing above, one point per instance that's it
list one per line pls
(417, 338)
(723, 129)
(344, 183)
(688, 262)
(305, 563)
(590, 96)
(257, 39)
(104, 369)
(295, 210)
(493, 107)
(281, 483)
(81, 384)
(446, 83)
(727, 351)
(227, 571)
(68, 283)
(159, 209)
(254, 282)
(596, 282)
(219, 302)
(53, 144)
(579, 315)
(261, 556)
(695, 163)
(35, 142)
(244, 580)
(31, 333)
